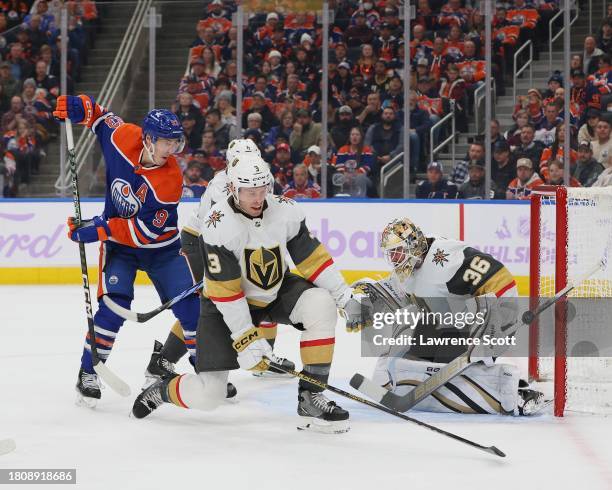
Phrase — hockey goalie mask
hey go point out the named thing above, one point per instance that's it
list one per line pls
(404, 246)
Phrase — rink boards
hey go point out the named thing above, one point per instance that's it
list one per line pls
(34, 247)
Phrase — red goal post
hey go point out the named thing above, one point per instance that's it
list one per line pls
(571, 230)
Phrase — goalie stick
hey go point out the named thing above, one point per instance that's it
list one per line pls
(7, 446)
(488, 449)
(110, 378)
(403, 403)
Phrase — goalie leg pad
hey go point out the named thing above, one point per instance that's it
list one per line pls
(480, 389)
(203, 391)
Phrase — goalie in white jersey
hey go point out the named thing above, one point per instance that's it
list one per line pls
(436, 274)
(245, 240)
(179, 343)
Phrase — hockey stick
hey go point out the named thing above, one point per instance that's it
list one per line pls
(403, 403)
(7, 446)
(144, 317)
(110, 378)
(488, 449)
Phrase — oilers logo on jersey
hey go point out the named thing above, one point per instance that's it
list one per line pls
(124, 199)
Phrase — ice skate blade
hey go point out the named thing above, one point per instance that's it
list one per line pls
(536, 409)
(85, 401)
(314, 424)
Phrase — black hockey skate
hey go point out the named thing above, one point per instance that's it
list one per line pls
(530, 401)
(151, 398)
(321, 414)
(161, 368)
(88, 389)
(273, 372)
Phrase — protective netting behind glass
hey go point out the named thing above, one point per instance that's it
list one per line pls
(573, 233)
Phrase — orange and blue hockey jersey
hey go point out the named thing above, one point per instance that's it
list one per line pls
(141, 203)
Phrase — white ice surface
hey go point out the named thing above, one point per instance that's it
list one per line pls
(253, 444)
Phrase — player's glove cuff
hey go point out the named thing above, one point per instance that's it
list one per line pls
(88, 231)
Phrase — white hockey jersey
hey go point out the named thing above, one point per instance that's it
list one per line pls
(216, 191)
(452, 268)
(246, 257)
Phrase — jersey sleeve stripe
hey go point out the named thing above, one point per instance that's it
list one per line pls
(318, 272)
(140, 238)
(227, 299)
(314, 263)
(505, 289)
(497, 283)
(143, 228)
(121, 233)
(223, 289)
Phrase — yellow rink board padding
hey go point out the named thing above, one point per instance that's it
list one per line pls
(72, 275)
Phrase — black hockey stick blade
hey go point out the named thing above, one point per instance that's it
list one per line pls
(133, 316)
(488, 449)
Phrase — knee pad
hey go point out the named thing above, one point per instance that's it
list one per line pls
(204, 391)
(316, 310)
(108, 320)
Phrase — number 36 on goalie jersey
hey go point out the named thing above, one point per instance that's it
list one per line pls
(451, 268)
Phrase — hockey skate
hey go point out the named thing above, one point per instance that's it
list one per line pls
(88, 389)
(274, 373)
(161, 368)
(320, 414)
(151, 398)
(530, 401)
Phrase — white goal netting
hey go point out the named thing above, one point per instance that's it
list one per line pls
(587, 217)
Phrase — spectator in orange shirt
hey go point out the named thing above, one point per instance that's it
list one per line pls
(526, 180)
(556, 152)
(555, 176)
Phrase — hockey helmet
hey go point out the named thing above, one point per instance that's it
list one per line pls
(161, 123)
(248, 170)
(404, 246)
(240, 146)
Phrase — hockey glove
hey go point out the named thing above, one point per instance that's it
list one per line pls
(252, 348)
(88, 231)
(79, 109)
(356, 308)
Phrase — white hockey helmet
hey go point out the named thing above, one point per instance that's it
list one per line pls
(248, 170)
(241, 146)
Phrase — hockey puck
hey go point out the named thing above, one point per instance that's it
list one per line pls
(528, 317)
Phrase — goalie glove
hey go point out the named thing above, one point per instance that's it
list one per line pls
(252, 349)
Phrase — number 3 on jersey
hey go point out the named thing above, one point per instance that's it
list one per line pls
(214, 266)
(478, 267)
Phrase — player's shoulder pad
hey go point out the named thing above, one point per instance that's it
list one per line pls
(221, 225)
(286, 207)
(127, 140)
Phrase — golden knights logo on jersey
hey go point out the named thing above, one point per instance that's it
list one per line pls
(264, 266)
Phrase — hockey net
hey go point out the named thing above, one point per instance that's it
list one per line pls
(571, 231)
